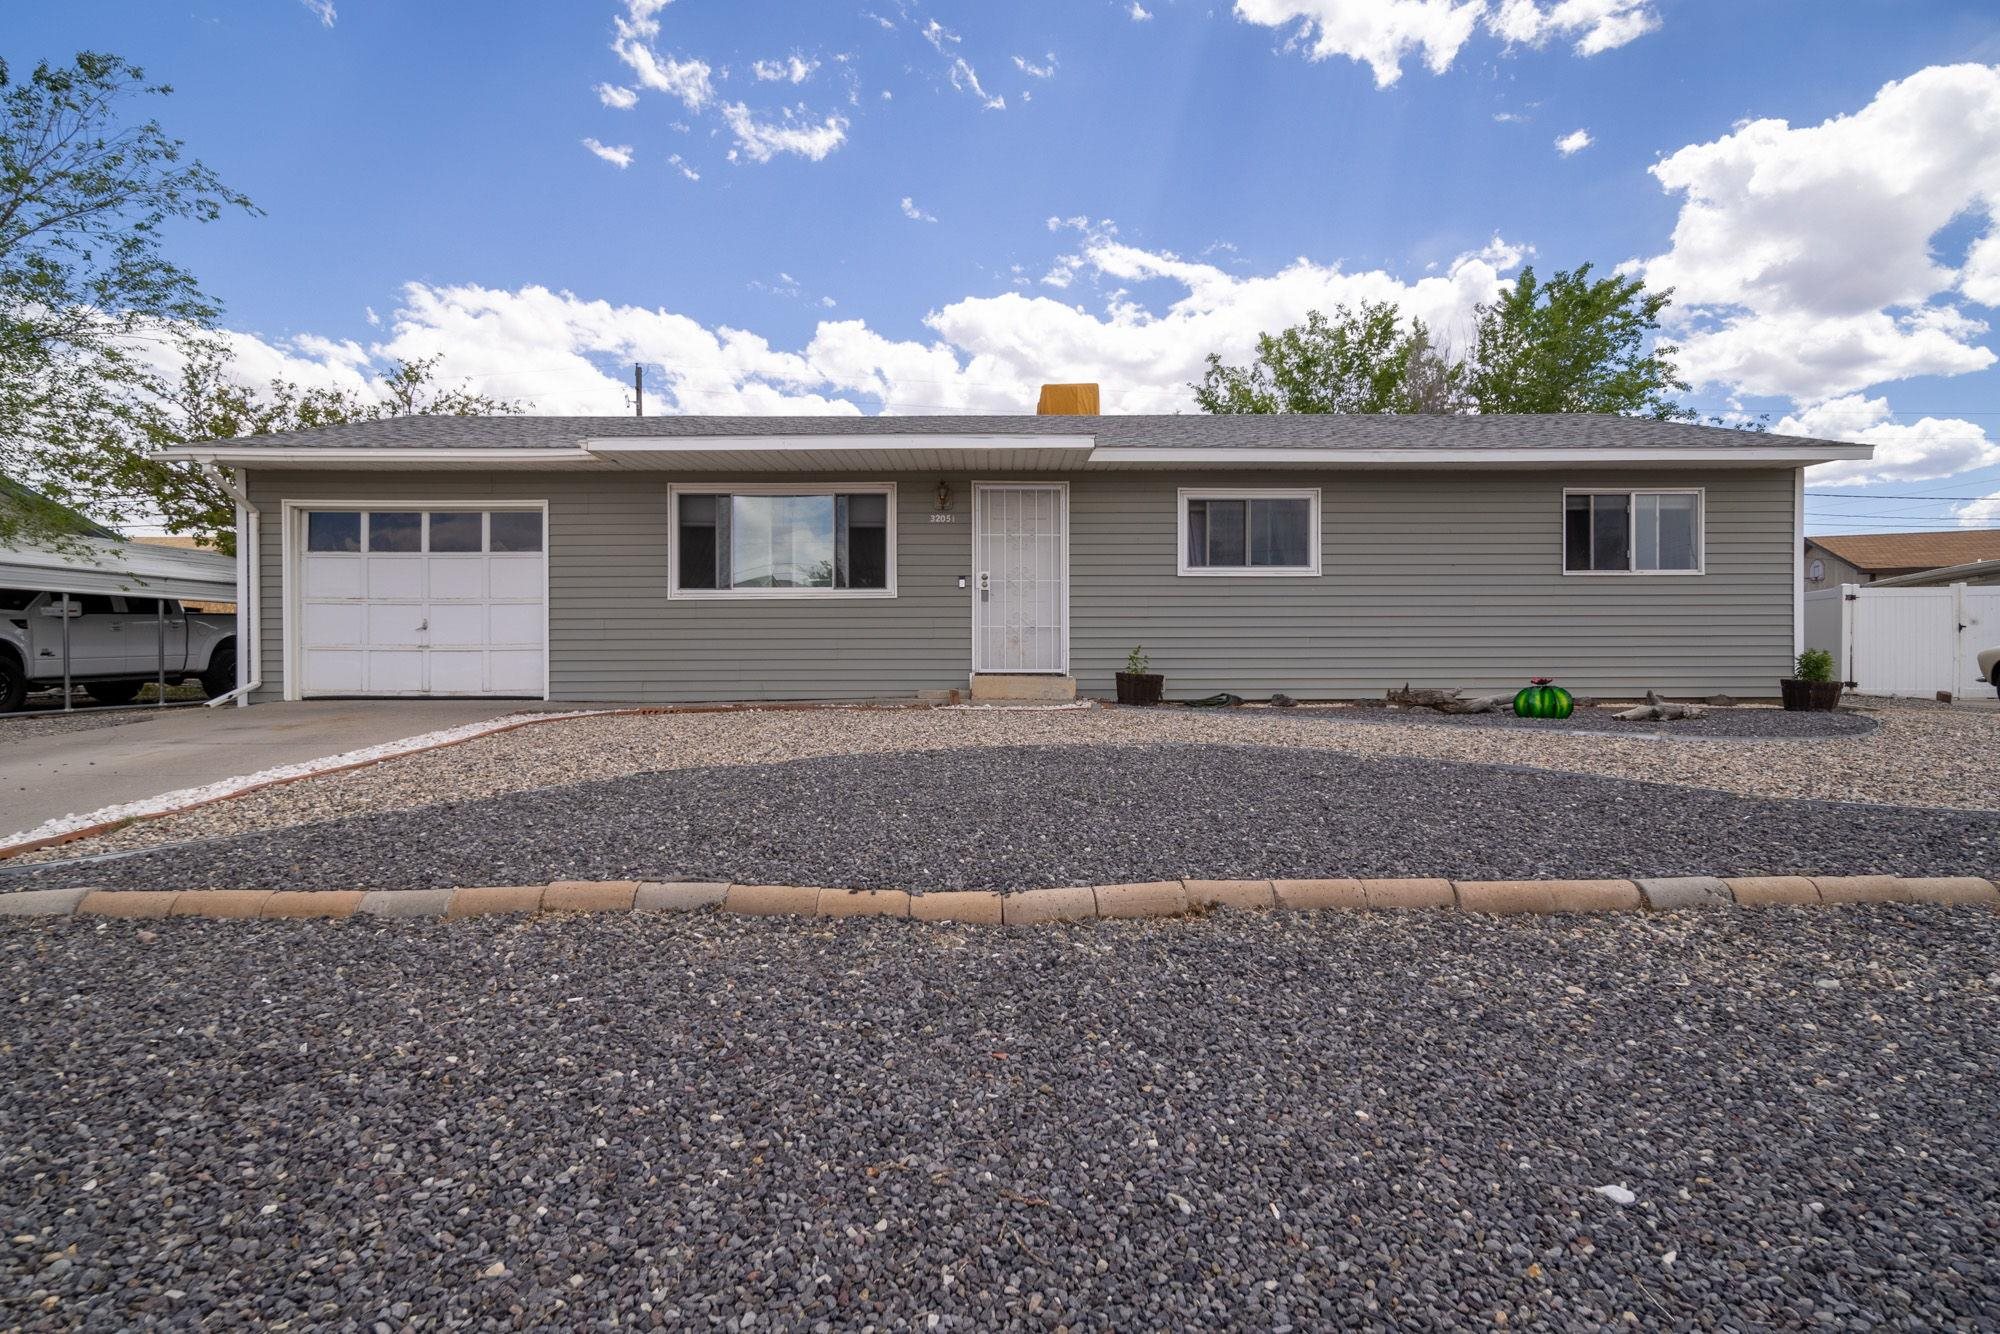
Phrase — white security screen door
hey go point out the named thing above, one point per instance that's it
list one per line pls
(415, 601)
(1020, 585)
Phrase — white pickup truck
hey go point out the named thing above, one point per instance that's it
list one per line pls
(114, 645)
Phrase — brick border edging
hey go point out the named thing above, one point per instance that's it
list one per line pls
(1151, 899)
(637, 711)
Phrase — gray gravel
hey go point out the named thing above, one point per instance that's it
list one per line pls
(1716, 724)
(1011, 818)
(1262, 1122)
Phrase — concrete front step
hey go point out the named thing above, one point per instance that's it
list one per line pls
(999, 688)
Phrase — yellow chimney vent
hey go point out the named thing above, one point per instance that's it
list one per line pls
(1066, 400)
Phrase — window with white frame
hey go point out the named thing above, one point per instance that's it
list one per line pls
(1632, 532)
(1249, 532)
(784, 541)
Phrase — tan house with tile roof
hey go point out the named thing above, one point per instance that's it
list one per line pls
(1863, 558)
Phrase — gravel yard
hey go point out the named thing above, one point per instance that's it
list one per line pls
(1237, 1122)
(1023, 817)
(1919, 756)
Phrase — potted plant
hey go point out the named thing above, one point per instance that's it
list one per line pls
(1811, 685)
(1136, 685)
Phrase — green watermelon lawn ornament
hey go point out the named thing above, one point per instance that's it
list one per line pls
(1541, 699)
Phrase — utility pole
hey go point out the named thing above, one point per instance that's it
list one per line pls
(638, 390)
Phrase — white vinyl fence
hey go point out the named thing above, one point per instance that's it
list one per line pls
(1906, 641)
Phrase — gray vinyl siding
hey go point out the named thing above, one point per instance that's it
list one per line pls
(1431, 578)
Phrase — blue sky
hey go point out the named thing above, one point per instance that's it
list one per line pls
(933, 205)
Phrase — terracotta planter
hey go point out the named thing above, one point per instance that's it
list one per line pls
(1141, 688)
(1810, 696)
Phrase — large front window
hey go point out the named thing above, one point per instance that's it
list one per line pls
(1632, 532)
(789, 542)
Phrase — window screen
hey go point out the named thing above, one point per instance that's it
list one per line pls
(1254, 532)
(1620, 532)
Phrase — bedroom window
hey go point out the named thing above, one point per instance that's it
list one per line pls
(1632, 532)
(784, 542)
(1249, 532)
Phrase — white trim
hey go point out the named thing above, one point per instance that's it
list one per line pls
(676, 490)
(1798, 562)
(704, 444)
(1700, 494)
(1187, 493)
(972, 579)
(594, 452)
(291, 548)
(444, 455)
(1458, 458)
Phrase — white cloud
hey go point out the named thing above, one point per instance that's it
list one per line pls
(689, 80)
(322, 10)
(762, 140)
(1597, 25)
(1383, 33)
(1378, 33)
(617, 98)
(1574, 142)
(792, 69)
(1981, 513)
(963, 76)
(1138, 13)
(569, 354)
(915, 214)
(1045, 70)
(1802, 259)
(618, 155)
(680, 164)
(1904, 452)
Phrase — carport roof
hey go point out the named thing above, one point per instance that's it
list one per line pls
(110, 565)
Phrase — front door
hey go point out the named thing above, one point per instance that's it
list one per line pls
(1020, 585)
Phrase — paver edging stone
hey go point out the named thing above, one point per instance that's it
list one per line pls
(1164, 898)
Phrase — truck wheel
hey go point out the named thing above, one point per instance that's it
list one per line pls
(112, 692)
(13, 683)
(220, 678)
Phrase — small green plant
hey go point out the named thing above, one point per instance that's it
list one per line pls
(1136, 661)
(1815, 664)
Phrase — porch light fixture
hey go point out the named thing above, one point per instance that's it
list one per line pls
(944, 496)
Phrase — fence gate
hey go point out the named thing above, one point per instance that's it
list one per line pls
(1918, 641)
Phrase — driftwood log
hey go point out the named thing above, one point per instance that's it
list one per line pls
(1657, 710)
(1448, 701)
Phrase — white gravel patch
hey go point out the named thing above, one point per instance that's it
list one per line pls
(229, 787)
(1922, 756)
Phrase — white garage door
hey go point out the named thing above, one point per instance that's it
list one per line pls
(423, 602)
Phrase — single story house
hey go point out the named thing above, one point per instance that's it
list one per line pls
(1865, 558)
(663, 559)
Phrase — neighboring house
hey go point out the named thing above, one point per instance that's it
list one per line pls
(1979, 573)
(1865, 558)
(724, 558)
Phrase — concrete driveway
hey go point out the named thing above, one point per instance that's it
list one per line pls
(64, 773)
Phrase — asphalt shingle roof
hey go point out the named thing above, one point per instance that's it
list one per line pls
(1192, 431)
(1876, 553)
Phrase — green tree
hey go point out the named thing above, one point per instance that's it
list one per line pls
(85, 289)
(1574, 345)
(206, 402)
(1359, 361)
